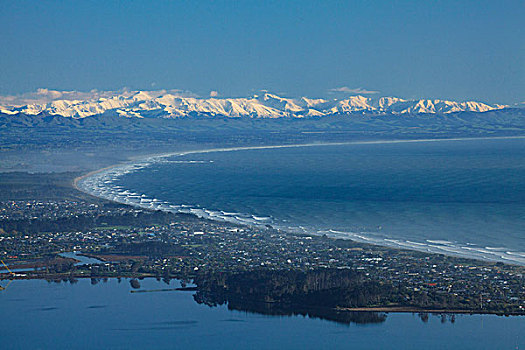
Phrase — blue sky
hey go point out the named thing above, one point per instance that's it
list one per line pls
(413, 49)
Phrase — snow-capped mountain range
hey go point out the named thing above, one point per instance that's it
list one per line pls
(146, 104)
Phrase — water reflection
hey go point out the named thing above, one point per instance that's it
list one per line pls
(279, 309)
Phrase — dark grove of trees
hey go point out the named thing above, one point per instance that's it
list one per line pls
(314, 294)
(320, 288)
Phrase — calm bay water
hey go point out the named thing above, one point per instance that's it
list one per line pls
(455, 197)
(42, 315)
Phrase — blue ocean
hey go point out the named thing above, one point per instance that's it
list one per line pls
(458, 197)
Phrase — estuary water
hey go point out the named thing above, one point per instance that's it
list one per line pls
(462, 197)
(41, 315)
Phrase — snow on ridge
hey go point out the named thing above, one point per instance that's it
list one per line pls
(171, 104)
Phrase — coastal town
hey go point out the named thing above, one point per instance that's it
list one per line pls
(52, 238)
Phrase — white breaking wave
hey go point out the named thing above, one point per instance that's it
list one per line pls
(439, 247)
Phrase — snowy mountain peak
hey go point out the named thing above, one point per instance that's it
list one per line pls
(267, 105)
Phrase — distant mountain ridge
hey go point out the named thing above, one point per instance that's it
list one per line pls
(155, 104)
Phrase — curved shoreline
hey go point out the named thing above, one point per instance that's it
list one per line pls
(205, 213)
(298, 145)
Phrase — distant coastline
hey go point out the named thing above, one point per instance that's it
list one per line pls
(246, 148)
